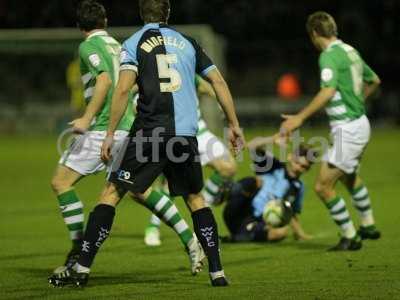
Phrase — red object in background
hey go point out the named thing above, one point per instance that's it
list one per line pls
(288, 87)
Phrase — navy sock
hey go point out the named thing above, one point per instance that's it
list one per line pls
(97, 230)
(207, 232)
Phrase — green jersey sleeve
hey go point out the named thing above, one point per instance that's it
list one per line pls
(329, 71)
(92, 59)
(368, 74)
(197, 81)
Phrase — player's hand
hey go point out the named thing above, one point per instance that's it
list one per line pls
(280, 140)
(106, 148)
(302, 236)
(236, 139)
(291, 123)
(80, 125)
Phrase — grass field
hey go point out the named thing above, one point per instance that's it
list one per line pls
(33, 240)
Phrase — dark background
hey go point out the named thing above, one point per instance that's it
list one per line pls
(265, 39)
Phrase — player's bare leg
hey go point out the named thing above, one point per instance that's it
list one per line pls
(325, 189)
(71, 209)
(362, 204)
(206, 229)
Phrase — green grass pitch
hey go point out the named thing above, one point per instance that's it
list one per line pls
(33, 240)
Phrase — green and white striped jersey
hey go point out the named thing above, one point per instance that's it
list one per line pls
(343, 68)
(100, 53)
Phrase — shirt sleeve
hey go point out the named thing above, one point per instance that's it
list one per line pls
(368, 74)
(329, 71)
(197, 81)
(92, 58)
(203, 63)
(128, 58)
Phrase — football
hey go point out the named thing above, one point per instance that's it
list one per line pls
(273, 213)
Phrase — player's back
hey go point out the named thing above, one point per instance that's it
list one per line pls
(166, 62)
(343, 68)
(100, 53)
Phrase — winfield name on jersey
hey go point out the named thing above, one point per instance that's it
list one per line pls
(160, 40)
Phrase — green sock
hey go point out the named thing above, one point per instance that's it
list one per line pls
(212, 187)
(362, 204)
(72, 212)
(166, 210)
(340, 214)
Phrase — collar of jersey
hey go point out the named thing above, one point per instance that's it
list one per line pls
(336, 42)
(100, 32)
(154, 25)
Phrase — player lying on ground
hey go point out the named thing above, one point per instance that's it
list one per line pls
(274, 180)
(213, 154)
(99, 54)
(346, 81)
(163, 63)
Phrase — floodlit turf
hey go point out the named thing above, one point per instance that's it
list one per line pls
(33, 241)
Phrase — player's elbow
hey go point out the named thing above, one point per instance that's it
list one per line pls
(104, 79)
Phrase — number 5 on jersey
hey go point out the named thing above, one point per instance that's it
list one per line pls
(165, 71)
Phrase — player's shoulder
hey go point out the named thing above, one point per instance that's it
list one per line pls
(86, 47)
(134, 39)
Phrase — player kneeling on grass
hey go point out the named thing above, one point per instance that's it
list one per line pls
(346, 81)
(275, 184)
(99, 55)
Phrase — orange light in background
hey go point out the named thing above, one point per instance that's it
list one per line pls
(288, 87)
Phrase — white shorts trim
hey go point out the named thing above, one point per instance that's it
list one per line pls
(211, 148)
(83, 155)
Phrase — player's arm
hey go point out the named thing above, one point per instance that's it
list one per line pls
(298, 231)
(293, 122)
(371, 81)
(329, 81)
(127, 79)
(101, 88)
(224, 98)
(204, 88)
(98, 69)
(259, 143)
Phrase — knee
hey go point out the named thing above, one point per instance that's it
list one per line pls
(195, 202)
(227, 168)
(59, 186)
(322, 189)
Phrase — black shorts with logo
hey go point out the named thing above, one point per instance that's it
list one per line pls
(138, 164)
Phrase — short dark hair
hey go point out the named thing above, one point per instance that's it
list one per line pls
(91, 15)
(322, 23)
(305, 150)
(154, 11)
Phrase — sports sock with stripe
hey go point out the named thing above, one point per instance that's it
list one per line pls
(206, 231)
(362, 204)
(72, 212)
(212, 187)
(340, 214)
(97, 230)
(162, 206)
